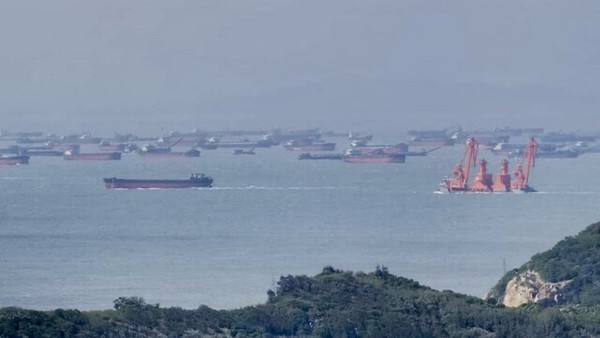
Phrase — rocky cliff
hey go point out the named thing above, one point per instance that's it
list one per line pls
(528, 287)
(569, 273)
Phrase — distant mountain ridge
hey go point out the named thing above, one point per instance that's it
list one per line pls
(417, 103)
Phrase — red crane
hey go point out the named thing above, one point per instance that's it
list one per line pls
(523, 170)
(461, 176)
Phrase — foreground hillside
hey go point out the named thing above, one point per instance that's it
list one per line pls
(331, 304)
(567, 274)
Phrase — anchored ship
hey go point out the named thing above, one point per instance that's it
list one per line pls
(244, 152)
(107, 146)
(189, 153)
(195, 181)
(376, 156)
(430, 138)
(69, 155)
(14, 160)
(308, 145)
(150, 150)
(309, 156)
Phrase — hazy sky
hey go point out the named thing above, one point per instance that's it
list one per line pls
(116, 65)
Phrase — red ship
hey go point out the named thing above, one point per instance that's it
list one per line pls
(195, 181)
(14, 160)
(483, 181)
(68, 155)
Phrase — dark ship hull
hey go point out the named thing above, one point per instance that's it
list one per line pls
(195, 181)
(92, 156)
(162, 154)
(375, 158)
(310, 147)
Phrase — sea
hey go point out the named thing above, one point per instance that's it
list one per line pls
(68, 242)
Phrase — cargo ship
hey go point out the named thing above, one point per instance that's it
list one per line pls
(195, 181)
(430, 138)
(244, 152)
(14, 160)
(557, 153)
(215, 142)
(14, 150)
(107, 146)
(85, 138)
(567, 137)
(69, 155)
(378, 156)
(431, 141)
(181, 142)
(41, 152)
(13, 136)
(309, 156)
(62, 147)
(400, 148)
(166, 152)
(45, 150)
(308, 145)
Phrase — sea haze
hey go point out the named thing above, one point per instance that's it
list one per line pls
(67, 242)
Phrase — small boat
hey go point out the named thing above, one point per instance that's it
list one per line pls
(69, 155)
(195, 181)
(14, 160)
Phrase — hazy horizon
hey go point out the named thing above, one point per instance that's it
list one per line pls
(145, 66)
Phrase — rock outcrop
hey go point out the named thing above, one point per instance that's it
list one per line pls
(528, 287)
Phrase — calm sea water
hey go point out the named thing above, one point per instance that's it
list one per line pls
(67, 242)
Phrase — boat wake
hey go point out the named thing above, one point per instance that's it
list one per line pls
(566, 192)
(520, 193)
(255, 187)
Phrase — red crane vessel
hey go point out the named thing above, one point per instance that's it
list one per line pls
(483, 181)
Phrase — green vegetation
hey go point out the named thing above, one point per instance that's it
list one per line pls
(574, 258)
(332, 304)
(345, 304)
